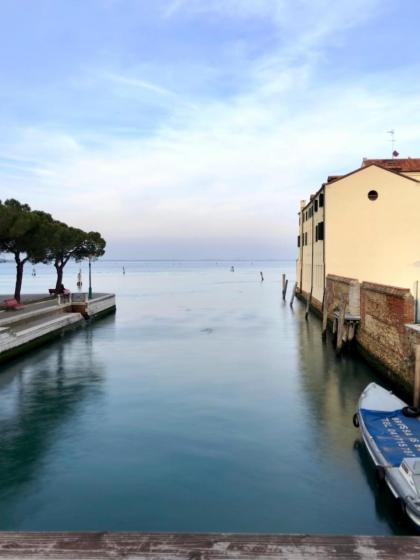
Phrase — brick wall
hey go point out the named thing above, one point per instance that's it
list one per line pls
(384, 312)
(349, 288)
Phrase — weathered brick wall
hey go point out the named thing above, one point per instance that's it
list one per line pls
(384, 312)
(340, 287)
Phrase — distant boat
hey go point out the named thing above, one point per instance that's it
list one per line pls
(391, 433)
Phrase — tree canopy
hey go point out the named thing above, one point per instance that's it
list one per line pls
(71, 243)
(34, 236)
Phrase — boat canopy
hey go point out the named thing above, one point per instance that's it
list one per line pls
(397, 436)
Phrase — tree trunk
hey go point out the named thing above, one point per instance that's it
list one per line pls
(19, 277)
(59, 269)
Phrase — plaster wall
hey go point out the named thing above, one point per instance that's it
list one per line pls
(375, 241)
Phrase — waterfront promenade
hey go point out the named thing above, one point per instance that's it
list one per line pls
(42, 318)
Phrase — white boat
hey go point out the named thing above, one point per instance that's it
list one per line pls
(391, 432)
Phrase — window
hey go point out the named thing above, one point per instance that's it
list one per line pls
(320, 231)
(316, 206)
(298, 240)
(372, 195)
(316, 233)
(306, 238)
(321, 200)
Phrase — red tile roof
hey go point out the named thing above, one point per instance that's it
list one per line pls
(396, 164)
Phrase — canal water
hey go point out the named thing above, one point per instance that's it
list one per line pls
(204, 404)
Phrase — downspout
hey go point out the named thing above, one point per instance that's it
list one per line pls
(312, 243)
(302, 205)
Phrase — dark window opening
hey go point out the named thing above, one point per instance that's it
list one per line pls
(320, 231)
(316, 206)
(316, 233)
(298, 240)
(372, 195)
(321, 200)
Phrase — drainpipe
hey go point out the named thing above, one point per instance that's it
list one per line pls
(302, 205)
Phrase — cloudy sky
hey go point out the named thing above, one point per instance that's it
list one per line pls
(192, 128)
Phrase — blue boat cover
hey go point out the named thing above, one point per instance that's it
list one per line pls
(397, 436)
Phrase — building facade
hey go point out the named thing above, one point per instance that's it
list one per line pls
(363, 225)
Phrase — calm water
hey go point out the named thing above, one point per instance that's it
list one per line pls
(204, 404)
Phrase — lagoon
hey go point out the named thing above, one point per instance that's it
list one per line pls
(204, 404)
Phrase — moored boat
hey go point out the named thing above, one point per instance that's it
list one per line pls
(391, 433)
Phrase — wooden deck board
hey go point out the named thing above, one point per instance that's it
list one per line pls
(165, 546)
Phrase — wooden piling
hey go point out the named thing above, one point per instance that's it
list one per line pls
(324, 314)
(416, 396)
(293, 294)
(285, 289)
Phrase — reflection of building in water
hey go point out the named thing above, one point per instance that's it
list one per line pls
(331, 387)
(386, 507)
(39, 394)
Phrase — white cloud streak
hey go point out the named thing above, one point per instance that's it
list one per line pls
(224, 168)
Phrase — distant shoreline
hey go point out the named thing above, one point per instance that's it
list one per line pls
(197, 260)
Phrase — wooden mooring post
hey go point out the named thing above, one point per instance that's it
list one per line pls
(284, 285)
(293, 294)
(324, 314)
(285, 289)
(416, 395)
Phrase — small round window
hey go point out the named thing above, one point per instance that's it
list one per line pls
(372, 195)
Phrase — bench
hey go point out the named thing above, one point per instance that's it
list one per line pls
(64, 292)
(12, 303)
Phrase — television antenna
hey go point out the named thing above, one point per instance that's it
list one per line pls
(394, 152)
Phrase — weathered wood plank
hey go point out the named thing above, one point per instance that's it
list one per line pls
(165, 546)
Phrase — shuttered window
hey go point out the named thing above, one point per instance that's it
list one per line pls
(321, 231)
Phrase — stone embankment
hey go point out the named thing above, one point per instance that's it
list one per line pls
(44, 318)
(381, 320)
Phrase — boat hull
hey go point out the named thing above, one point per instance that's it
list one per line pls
(393, 443)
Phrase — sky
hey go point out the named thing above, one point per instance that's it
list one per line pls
(193, 128)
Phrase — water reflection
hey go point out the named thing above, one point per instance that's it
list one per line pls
(386, 506)
(208, 406)
(331, 387)
(41, 393)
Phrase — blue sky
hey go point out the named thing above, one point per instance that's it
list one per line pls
(192, 128)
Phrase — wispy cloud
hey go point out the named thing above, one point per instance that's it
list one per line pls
(221, 162)
(140, 84)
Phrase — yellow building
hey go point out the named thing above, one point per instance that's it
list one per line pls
(363, 225)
